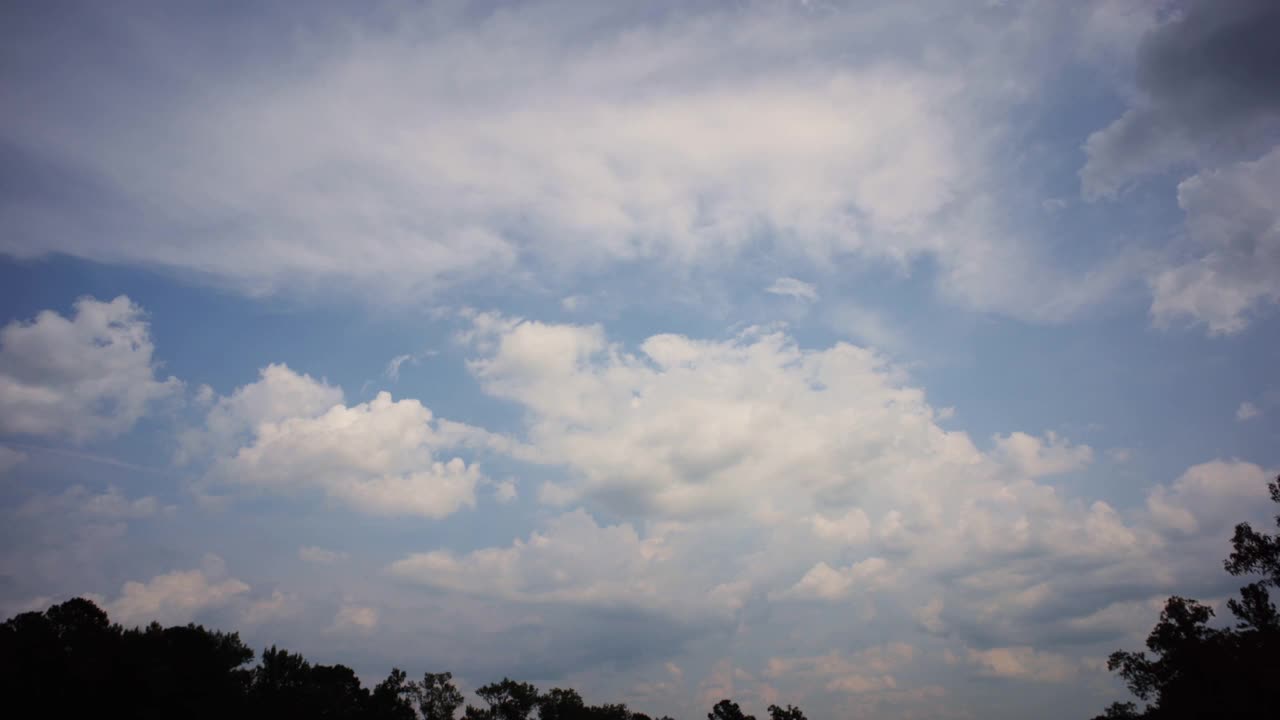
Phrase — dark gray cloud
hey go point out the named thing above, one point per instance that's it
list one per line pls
(1219, 63)
(1207, 92)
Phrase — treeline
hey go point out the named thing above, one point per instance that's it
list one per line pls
(72, 661)
(1197, 672)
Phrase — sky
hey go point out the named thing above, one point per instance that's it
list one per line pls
(893, 360)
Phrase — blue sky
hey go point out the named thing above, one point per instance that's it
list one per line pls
(891, 360)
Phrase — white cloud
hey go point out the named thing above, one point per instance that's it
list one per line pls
(88, 376)
(355, 618)
(758, 130)
(1024, 663)
(505, 491)
(930, 616)
(616, 175)
(377, 457)
(865, 327)
(204, 396)
(852, 528)
(278, 394)
(793, 288)
(270, 609)
(1210, 497)
(287, 432)
(176, 597)
(1247, 411)
(866, 671)
(1032, 457)
(393, 366)
(1133, 146)
(827, 583)
(320, 556)
(1235, 221)
(574, 560)
(689, 426)
(751, 459)
(797, 454)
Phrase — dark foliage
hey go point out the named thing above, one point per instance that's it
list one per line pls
(790, 713)
(1198, 671)
(728, 710)
(70, 661)
(437, 698)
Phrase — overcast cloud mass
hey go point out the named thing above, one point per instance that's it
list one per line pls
(893, 360)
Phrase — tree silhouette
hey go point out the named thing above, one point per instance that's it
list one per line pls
(1197, 671)
(561, 704)
(438, 699)
(71, 661)
(728, 710)
(612, 711)
(507, 700)
(394, 697)
(790, 713)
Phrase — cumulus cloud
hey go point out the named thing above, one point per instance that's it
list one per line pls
(827, 583)
(1031, 569)
(852, 528)
(647, 432)
(87, 376)
(1210, 497)
(1233, 217)
(827, 475)
(288, 433)
(818, 454)
(1032, 457)
(381, 463)
(831, 437)
(278, 394)
(176, 597)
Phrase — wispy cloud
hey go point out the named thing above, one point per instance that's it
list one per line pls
(794, 288)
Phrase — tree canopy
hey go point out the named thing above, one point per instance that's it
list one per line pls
(72, 661)
(1195, 670)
